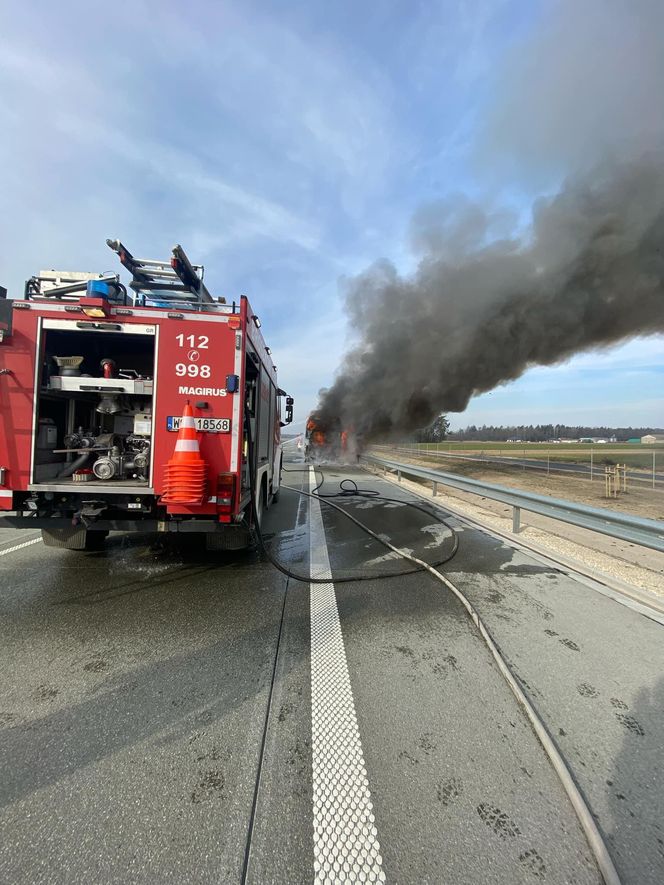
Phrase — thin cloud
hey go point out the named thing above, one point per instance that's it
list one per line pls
(282, 149)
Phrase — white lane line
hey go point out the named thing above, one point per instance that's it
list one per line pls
(20, 546)
(346, 844)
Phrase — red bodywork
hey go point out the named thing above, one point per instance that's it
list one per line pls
(217, 339)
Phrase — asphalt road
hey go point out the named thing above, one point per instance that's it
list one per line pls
(173, 716)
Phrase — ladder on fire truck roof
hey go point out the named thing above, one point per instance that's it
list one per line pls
(177, 278)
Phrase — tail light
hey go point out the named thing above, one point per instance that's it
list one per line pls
(225, 492)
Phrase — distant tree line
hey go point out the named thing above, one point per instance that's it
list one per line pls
(542, 432)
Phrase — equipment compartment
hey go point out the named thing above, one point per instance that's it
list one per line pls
(94, 407)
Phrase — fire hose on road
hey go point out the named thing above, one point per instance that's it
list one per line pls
(350, 490)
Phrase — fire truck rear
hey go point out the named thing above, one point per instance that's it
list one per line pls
(152, 411)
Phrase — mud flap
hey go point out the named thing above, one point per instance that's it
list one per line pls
(74, 538)
(234, 537)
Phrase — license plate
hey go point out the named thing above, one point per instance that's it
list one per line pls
(203, 425)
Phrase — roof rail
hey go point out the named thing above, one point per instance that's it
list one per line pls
(64, 285)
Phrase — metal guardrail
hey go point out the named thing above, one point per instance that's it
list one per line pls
(575, 469)
(634, 529)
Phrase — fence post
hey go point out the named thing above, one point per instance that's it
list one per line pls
(434, 490)
(398, 476)
(653, 468)
(548, 457)
(516, 520)
(591, 464)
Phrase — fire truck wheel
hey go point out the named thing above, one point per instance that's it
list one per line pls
(275, 496)
(260, 506)
(74, 538)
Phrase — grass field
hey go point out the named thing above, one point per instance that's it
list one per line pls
(635, 456)
(639, 499)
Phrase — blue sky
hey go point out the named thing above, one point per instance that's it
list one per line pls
(286, 145)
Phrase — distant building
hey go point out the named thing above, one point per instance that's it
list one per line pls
(634, 439)
(652, 438)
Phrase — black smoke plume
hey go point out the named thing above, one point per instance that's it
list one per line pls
(590, 273)
(482, 306)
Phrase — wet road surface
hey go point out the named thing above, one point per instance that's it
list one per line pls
(156, 709)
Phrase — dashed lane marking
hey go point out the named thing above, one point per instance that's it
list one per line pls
(346, 844)
(21, 546)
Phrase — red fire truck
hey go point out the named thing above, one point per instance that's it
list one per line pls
(94, 384)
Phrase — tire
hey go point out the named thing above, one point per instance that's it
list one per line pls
(275, 496)
(260, 507)
(74, 538)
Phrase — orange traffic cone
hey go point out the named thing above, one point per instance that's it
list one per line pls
(185, 473)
